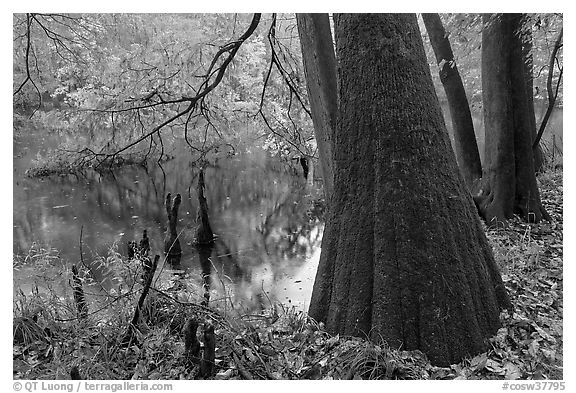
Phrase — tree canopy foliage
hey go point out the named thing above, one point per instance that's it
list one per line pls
(110, 80)
(464, 31)
(115, 79)
(147, 86)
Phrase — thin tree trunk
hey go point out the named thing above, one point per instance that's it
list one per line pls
(551, 95)
(404, 257)
(466, 147)
(527, 196)
(495, 198)
(529, 80)
(320, 70)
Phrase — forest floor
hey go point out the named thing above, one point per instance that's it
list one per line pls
(286, 344)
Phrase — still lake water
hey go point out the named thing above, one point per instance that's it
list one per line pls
(268, 220)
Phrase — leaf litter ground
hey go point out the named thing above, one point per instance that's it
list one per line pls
(286, 344)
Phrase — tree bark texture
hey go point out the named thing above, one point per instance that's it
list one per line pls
(508, 184)
(320, 71)
(467, 154)
(404, 257)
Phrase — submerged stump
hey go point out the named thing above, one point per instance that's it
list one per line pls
(204, 234)
(140, 249)
(172, 247)
(204, 253)
(144, 245)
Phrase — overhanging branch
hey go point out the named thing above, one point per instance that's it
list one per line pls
(212, 79)
(275, 62)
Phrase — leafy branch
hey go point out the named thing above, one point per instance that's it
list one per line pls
(75, 33)
(194, 104)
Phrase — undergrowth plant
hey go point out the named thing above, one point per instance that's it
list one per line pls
(281, 342)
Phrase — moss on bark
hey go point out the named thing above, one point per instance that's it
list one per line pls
(404, 257)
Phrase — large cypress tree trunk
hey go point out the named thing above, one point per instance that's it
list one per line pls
(320, 70)
(404, 257)
(466, 147)
(509, 183)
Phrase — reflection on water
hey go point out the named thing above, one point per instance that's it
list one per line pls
(267, 221)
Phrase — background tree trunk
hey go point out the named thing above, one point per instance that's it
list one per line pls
(466, 147)
(529, 80)
(527, 199)
(495, 198)
(552, 95)
(320, 70)
(404, 257)
(509, 183)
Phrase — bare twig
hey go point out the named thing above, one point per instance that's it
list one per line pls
(27, 65)
(293, 88)
(75, 31)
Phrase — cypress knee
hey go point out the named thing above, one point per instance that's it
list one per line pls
(143, 250)
(204, 233)
(191, 343)
(208, 356)
(131, 246)
(144, 244)
(74, 373)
